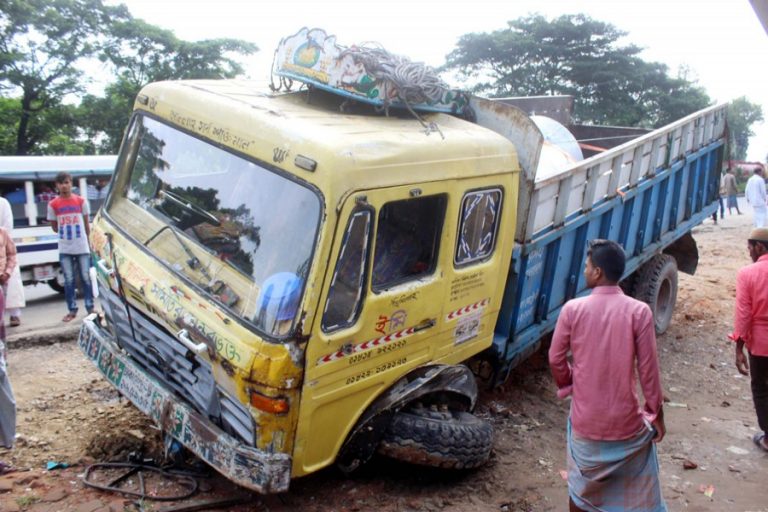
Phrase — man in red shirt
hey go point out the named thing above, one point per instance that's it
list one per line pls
(612, 462)
(751, 327)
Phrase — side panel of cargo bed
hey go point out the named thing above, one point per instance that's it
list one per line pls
(645, 194)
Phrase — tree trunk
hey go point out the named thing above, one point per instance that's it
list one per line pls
(22, 141)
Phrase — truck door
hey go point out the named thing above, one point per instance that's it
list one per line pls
(380, 312)
(385, 307)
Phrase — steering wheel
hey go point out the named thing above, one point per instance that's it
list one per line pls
(204, 215)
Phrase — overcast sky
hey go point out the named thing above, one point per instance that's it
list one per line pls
(721, 41)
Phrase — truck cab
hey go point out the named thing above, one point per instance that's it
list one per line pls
(279, 279)
(297, 279)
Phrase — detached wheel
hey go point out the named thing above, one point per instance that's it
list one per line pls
(443, 439)
(656, 285)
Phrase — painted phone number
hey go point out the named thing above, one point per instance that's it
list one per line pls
(376, 370)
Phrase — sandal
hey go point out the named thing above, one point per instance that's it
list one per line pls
(69, 316)
(759, 440)
(15, 321)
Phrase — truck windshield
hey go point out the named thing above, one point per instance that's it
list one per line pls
(243, 234)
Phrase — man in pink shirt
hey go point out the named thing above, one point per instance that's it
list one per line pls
(612, 463)
(751, 327)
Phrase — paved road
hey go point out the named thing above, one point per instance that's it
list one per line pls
(41, 319)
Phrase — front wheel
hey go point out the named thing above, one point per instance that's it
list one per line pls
(438, 438)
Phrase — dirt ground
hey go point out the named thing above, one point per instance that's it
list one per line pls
(68, 414)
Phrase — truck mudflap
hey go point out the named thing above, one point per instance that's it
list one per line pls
(251, 468)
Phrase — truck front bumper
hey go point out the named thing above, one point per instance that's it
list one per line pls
(251, 468)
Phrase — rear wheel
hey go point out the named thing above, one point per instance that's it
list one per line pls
(657, 286)
(628, 284)
(438, 438)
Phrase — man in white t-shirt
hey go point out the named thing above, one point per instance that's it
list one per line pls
(68, 214)
(756, 197)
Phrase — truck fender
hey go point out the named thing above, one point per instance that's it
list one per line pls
(455, 382)
(686, 253)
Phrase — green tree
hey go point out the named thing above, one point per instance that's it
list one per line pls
(42, 43)
(141, 53)
(578, 56)
(742, 114)
(104, 118)
(54, 130)
(10, 113)
(677, 97)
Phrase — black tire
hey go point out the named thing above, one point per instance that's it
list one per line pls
(628, 284)
(451, 440)
(55, 286)
(657, 286)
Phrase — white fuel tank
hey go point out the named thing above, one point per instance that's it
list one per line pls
(559, 151)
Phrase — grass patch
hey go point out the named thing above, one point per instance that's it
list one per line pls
(25, 501)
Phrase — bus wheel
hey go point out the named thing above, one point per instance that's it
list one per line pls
(657, 286)
(438, 438)
(55, 285)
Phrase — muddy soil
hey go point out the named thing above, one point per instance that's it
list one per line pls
(68, 414)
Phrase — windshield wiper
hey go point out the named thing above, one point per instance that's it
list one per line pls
(193, 262)
(192, 209)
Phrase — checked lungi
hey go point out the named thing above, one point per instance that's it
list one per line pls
(614, 476)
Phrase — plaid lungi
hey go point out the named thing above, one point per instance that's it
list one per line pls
(614, 476)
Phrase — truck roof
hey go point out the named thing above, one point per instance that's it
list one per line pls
(353, 151)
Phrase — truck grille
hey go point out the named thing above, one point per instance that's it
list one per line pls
(168, 361)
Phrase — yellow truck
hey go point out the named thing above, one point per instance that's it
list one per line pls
(291, 281)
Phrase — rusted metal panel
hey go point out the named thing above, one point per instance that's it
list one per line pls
(249, 467)
(559, 108)
(514, 124)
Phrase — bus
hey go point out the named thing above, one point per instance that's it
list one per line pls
(28, 183)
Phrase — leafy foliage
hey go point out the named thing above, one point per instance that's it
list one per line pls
(10, 112)
(578, 56)
(742, 114)
(141, 53)
(43, 44)
(54, 130)
(104, 118)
